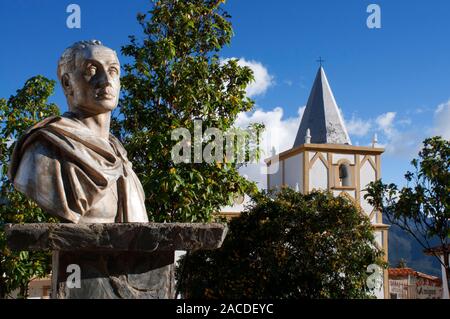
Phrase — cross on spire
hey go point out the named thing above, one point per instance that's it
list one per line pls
(320, 60)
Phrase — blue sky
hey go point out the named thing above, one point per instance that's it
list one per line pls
(393, 81)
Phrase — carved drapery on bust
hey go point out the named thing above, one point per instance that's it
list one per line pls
(73, 174)
(71, 165)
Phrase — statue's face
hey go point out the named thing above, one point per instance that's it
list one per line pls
(94, 85)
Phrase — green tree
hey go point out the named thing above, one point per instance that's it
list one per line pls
(292, 246)
(175, 78)
(17, 114)
(422, 207)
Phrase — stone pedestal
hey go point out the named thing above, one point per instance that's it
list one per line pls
(134, 260)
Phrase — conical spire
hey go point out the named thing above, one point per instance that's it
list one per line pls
(322, 116)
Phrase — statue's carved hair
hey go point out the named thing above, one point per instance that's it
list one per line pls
(66, 63)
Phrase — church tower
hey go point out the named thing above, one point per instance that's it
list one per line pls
(323, 157)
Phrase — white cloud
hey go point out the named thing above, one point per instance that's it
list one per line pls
(263, 80)
(358, 127)
(279, 133)
(385, 122)
(441, 120)
(399, 137)
(403, 143)
(406, 143)
(405, 121)
(282, 131)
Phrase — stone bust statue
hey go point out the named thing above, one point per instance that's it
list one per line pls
(71, 165)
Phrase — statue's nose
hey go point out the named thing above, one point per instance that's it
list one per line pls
(104, 80)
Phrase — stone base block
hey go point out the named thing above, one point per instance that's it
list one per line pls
(108, 261)
(113, 275)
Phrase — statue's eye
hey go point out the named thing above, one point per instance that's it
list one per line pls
(113, 71)
(91, 70)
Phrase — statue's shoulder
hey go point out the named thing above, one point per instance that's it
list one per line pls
(118, 144)
(30, 136)
(53, 124)
(42, 124)
(67, 120)
(28, 142)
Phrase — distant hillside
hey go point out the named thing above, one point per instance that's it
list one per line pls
(403, 245)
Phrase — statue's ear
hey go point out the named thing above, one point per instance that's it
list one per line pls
(65, 82)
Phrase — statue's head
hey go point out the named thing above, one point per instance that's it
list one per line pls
(90, 76)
